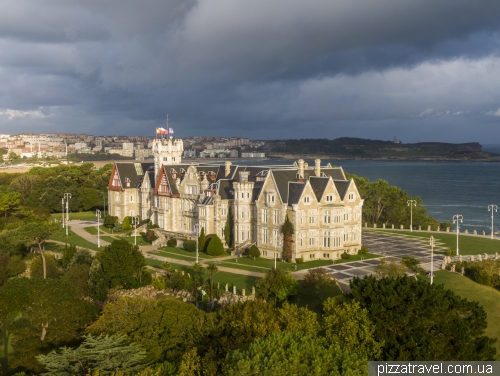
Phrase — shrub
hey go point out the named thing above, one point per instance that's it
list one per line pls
(154, 225)
(363, 251)
(215, 247)
(345, 256)
(448, 252)
(151, 236)
(126, 224)
(190, 245)
(172, 242)
(254, 251)
(299, 260)
(159, 283)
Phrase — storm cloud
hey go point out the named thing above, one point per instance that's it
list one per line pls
(425, 70)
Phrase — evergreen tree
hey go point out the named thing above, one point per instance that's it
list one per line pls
(229, 228)
(277, 285)
(126, 226)
(287, 230)
(104, 353)
(215, 247)
(68, 254)
(201, 240)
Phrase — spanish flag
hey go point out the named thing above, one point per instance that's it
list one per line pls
(161, 130)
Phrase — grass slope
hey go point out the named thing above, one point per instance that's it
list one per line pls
(487, 296)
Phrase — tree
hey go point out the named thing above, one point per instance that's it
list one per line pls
(212, 270)
(48, 270)
(68, 253)
(81, 257)
(98, 283)
(229, 229)
(348, 325)
(287, 230)
(124, 265)
(104, 353)
(215, 247)
(126, 226)
(412, 264)
(294, 354)
(201, 240)
(418, 321)
(254, 251)
(40, 314)
(38, 233)
(277, 285)
(319, 280)
(78, 276)
(389, 269)
(9, 203)
(166, 328)
(110, 221)
(298, 320)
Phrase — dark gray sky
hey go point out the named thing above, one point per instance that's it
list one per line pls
(426, 70)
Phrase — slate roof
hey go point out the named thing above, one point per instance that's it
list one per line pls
(342, 187)
(132, 171)
(318, 185)
(295, 192)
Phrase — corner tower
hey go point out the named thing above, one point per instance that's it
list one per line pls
(167, 151)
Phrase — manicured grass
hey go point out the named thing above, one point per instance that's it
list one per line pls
(267, 264)
(357, 258)
(112, 231)
(72, 238)
(55, 247)
(182, 254)
(91, 230)
(140, 240)
(468, 245)
(487, 296)
(238, 280)
(108, 239)
(82, 216)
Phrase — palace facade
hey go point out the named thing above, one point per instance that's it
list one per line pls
(324, 207)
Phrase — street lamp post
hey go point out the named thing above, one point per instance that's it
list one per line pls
(458, 218)
(135, 221)
(411, 204)
(62, 211)
(491, 208)
(67, 196)
(98, 215)
(432, 242)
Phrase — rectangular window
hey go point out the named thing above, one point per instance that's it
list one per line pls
(312, 215)
(276, 217)
(264, 235)
(302, 217)
(264, 215)
(327, 217)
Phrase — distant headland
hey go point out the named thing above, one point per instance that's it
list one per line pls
(359, 148)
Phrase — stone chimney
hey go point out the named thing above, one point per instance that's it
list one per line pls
(301, 167)
(228, 168)
(317, 167)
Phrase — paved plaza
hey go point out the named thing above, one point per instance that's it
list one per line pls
(388, 245)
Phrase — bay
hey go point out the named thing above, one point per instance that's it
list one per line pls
(446, 188)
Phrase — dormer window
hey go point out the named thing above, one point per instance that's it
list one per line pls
(307, 200)
(351, 197)
(270, 198)
(329, 198)
(127, 182)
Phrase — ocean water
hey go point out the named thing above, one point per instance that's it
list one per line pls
(446, 188)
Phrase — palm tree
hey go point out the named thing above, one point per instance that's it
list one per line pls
(212, 269)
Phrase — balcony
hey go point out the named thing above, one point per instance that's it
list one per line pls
(190, 214)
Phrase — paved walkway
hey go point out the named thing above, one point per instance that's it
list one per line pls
(78, 227)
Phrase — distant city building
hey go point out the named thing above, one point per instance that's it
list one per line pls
(253, 155)
(190, 153)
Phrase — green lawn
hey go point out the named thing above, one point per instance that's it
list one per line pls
(487, 296)
(82, 216)
(468, 245)
(182, 254)
(238, 280)
(357, 258)
(112, 231)
(91, 230)
(72, 238)
(140, 240)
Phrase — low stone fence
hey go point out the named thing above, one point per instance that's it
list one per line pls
(451, 259)
(149, 292)
(419, 228)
